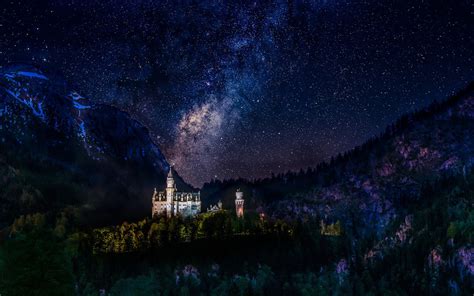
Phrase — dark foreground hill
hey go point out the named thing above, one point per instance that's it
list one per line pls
(427, 252)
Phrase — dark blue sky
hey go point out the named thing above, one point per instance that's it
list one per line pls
(251, 88)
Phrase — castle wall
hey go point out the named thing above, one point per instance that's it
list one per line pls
(185, 208)
(159, 207)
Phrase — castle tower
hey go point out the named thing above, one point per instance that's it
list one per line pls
(239, 203)
(170, 192)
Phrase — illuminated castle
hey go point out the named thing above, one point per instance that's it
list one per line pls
(239, 203)
(171, 202)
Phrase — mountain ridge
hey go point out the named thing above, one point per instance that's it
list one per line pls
(106, 160)
(420, 148)
(375, 178)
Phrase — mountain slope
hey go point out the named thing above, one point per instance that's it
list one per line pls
(58, 148)
(370, 186)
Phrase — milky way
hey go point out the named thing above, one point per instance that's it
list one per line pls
(247, 89)
(199, 133)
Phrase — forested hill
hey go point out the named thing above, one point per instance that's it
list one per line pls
(428, 251)
(374, 180)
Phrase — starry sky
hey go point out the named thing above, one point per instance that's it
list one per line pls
(247, 88)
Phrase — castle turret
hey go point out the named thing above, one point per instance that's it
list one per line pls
(170, 191)
(170, 180)
(239, 203)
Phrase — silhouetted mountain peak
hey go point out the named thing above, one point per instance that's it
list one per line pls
(47, 127)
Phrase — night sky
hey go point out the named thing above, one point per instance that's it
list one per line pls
(243, 90)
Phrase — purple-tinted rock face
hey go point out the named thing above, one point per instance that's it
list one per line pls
(44, 124)
(465, 262)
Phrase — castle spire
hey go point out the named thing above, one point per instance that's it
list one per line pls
(170, 179)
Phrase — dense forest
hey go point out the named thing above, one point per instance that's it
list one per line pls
(423, 253)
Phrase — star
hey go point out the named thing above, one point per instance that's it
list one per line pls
(243, 89)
